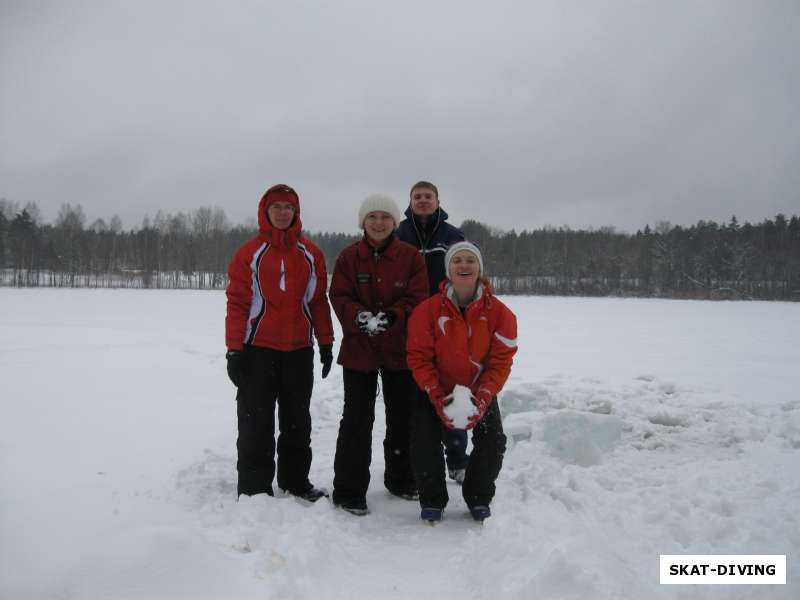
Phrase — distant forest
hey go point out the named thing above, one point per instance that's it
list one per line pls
(707, 260)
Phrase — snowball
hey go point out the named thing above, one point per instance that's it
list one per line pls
(461, 408)
(376, 324)
(373, 324)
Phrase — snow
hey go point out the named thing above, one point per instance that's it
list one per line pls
(578, 437)
(636, 428)
(461, 408)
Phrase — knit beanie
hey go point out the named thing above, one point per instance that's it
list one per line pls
(378, 202)
(457, 247)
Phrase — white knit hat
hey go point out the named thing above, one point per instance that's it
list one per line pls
(458, 247)
(379, 202)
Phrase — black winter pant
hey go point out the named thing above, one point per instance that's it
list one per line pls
(486, 459)
(270, 377)
(354, 443)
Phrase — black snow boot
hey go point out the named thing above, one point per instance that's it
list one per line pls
(431, 514)
(479, 513)
(356, 506)
(312, 494)
(409, 492)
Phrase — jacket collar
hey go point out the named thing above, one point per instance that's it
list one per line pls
(436, 218)
(282, 237)
(390, 250)
(483, 295)
(424, 234)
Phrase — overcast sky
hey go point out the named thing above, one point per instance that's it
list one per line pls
(523, 113)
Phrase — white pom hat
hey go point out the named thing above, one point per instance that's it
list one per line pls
(378, 202)
(458, 247)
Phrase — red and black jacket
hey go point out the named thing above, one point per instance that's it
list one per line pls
(392, 278)
(475, 349)
(277, 290)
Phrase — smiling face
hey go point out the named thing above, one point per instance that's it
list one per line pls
(424, 201)
(464, 270)
(280, 214)
(379, 225)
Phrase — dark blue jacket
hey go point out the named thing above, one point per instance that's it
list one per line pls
(432, 241)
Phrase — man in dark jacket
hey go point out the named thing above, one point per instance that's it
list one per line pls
(376, 284)
(426, 228)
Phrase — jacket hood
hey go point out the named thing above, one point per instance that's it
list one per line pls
(279, 237)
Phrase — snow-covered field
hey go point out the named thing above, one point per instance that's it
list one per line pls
(637, 428)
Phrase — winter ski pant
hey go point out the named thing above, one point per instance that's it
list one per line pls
(486, 459)
(354, 443)
(270, 377)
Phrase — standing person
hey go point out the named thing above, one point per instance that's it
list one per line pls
(464, 336)
(376, 284)
(426, 227)
(276, 299)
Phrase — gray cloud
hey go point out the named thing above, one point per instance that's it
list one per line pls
(561, 113)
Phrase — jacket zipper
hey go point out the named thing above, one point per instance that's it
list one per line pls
(423, 242)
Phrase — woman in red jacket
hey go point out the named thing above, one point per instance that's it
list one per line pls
(376, 284)
(463, 336)
(276, 302)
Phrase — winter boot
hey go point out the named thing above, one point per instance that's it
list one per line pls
(356, 507)
(312, 494)
(431, 515)
(407, 493)
(480, 512)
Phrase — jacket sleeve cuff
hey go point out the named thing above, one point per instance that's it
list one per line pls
(325, 340)
(400, 317)
(482, 385)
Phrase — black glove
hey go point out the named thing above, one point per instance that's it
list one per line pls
(362, 322)
(326, 358)
(235, 360)
(389, 317)
(382, 322)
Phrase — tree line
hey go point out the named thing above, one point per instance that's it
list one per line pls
(707, 260)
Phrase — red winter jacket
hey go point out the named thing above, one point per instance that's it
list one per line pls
(276, 290)
(364, 279)
(474, 350)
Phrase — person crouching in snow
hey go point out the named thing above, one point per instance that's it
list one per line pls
(376, 284)
(463, 336)
(276, 299)
(426, 227)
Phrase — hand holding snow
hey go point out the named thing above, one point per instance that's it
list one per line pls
(381, 322)
(461, 408)
(372, 324)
